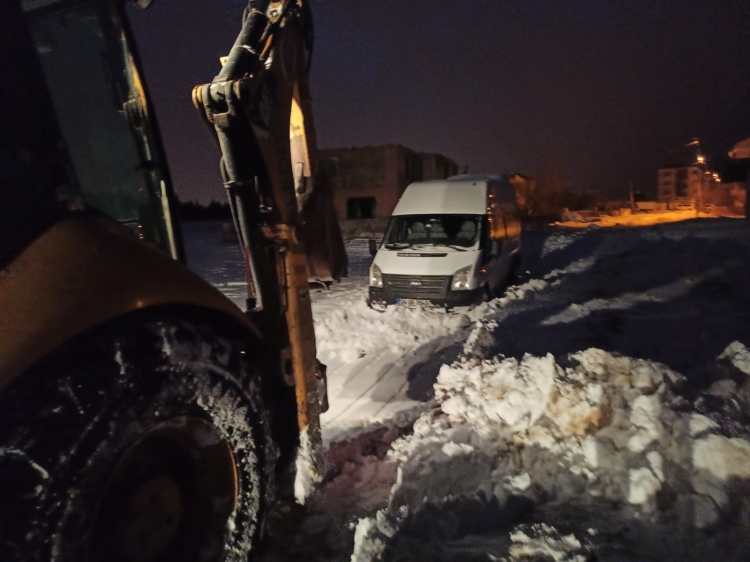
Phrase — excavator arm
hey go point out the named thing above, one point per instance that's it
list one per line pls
(258, 110)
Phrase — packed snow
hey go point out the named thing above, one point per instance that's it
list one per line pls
(543, 541)
(357, 330)
(599, 409)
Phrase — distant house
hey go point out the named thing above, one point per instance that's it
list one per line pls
(371, 179)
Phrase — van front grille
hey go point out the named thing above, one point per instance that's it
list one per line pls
(416, 286)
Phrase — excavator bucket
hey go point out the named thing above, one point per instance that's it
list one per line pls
(324, 244)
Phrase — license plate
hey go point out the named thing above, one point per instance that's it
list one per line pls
(414, 302)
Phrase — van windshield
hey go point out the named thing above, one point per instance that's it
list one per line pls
(436, 230)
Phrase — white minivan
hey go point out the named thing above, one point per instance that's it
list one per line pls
(449, 242)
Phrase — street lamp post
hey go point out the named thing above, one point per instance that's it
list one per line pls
(701, 162)
(699, 207)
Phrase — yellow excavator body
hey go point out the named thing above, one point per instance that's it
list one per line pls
(84, 272)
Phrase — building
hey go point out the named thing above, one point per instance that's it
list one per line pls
(722, 181)
(437, 166)
(371, 179)
(735, 174)
(678, 184)
(741, 150)
(680, 179)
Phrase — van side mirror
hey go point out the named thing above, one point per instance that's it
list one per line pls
(373, 244)
(496, 247)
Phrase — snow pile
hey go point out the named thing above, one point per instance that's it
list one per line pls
(518, 292)
(371, 534)
(606, 419)
(593, 425)
(355, 330)
(739, 356)
(560, 240)
(579, 266)
(542, 542)
(513, 294)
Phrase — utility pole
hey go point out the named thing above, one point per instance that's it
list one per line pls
(632, 198)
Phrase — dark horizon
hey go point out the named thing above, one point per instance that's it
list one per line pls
(595, 93)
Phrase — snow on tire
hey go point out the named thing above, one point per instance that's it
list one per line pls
(179, 404)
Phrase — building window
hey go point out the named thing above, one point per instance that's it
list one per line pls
(360, 208)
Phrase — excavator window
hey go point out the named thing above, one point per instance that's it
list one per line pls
(101, 110)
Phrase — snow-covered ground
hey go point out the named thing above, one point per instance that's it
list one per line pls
(371, 356)
(218, 262)
(599, 410)
(638, 219)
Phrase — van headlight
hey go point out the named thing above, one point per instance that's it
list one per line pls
(376, 277)
(461, 279)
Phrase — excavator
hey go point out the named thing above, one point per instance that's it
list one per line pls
(144, 417)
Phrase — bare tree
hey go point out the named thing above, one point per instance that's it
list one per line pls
(548, 197)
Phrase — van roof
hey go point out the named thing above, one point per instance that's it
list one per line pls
(465, 195)
(478, 177)
(443, 197)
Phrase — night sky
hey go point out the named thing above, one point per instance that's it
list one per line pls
(595, 92)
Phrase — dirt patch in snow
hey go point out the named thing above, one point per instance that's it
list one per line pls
(360, 477)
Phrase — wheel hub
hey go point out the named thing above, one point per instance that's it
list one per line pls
(169, 498)
(154, 519)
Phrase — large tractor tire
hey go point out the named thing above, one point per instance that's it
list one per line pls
(150, 442)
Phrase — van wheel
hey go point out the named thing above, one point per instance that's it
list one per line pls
(377, 306)
(487, 293)
(148, 443)
(514, 272)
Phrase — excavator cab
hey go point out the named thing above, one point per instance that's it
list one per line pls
(92, 75)
(143, 416)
